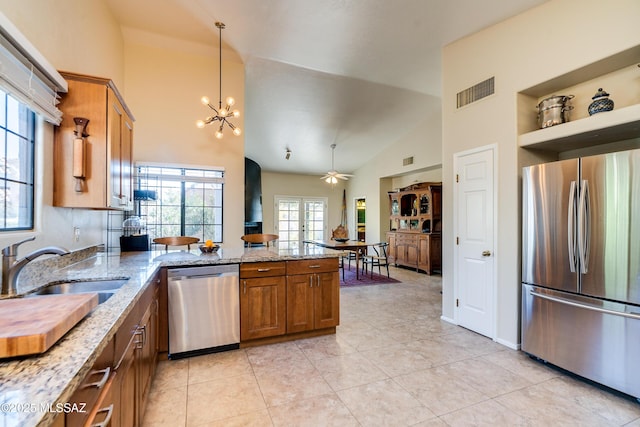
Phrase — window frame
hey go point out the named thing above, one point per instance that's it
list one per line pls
(182, 174)
(27, 115)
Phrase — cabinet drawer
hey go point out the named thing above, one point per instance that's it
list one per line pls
(262, 269)
(403, 239)
(90, 388)
(312, 266)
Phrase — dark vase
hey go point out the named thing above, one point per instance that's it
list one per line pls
(601, 102)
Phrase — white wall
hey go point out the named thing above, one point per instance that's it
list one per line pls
(79, 36)
(536, 46)
(165, 81)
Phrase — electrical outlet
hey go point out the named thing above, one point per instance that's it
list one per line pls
(76, 233)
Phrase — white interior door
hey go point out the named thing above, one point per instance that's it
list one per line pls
(298, 219)
(475, 228)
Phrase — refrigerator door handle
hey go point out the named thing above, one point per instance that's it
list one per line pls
(635, 316)
(571, 235)
(584, 227)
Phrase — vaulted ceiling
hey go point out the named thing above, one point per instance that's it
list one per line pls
(357, 73)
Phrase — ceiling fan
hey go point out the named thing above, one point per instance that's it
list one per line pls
(333, 175)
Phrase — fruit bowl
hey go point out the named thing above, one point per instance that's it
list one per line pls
(209, 249)
(341, 239)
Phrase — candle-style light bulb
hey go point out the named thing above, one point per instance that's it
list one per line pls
(204, 100)
(237, 131)
(230, 101)
(200, 124)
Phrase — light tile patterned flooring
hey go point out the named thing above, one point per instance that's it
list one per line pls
(392, 362)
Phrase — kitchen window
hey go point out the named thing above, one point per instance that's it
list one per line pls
(189, 201)
(17, 130)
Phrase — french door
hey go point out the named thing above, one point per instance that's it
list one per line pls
(298, 219)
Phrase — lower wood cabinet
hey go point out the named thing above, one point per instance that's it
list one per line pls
(125, 387)
(422, 251)
(104, 414)
(313, 294)
(262, 300)
(88, 394)
(131, 368)
(147, 353)
(282, 300)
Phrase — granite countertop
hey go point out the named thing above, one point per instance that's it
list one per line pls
(29, 385)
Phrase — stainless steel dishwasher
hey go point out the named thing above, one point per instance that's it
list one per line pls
(204, 310)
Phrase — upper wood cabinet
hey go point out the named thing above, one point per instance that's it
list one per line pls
(107, 182)
(417, 208)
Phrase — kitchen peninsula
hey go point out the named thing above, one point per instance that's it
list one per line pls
(52, 379)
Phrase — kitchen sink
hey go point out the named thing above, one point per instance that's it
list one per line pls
(104, 288)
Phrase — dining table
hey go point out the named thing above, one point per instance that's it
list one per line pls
(356, 246)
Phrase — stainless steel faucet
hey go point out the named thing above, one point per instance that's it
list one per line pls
(11, 267)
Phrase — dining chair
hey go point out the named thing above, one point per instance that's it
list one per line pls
(176, 241)
(260, 238)
(349, 256)
(380, 258)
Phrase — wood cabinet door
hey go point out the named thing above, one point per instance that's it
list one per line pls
(424, 253)
(327, 300)
(436, 253)
(125, 398)
(391, 240)
(146, 355)
(412, 255)
(262, 307)
(300, 306)
(118, 153)
(401, 252)
(126, 161)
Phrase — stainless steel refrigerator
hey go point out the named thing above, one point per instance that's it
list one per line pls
(581, 267)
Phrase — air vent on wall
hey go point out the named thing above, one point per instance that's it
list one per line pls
(407, 161)
(476, 92)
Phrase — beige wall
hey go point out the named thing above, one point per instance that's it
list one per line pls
(284, 184)
(536, 46)
(79, 36)
(386, 172)
(165, 82)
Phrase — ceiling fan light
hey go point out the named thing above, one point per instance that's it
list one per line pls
(328, 180)
(334, 180)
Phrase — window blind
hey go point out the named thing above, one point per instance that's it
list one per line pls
(26, 75)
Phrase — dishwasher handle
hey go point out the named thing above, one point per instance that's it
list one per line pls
(201, 276)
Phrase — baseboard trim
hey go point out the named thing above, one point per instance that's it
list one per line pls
(448, 320)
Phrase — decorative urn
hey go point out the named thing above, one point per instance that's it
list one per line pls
(601, 102)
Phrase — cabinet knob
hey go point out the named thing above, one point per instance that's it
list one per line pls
(486, 253)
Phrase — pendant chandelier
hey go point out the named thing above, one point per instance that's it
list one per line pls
(222, 113)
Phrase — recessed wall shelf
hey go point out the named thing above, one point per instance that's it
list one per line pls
(602, 128)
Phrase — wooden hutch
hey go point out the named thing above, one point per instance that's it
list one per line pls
(415, 221)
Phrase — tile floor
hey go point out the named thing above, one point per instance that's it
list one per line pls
(392, 362)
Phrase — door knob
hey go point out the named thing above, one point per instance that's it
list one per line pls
(486, 253)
